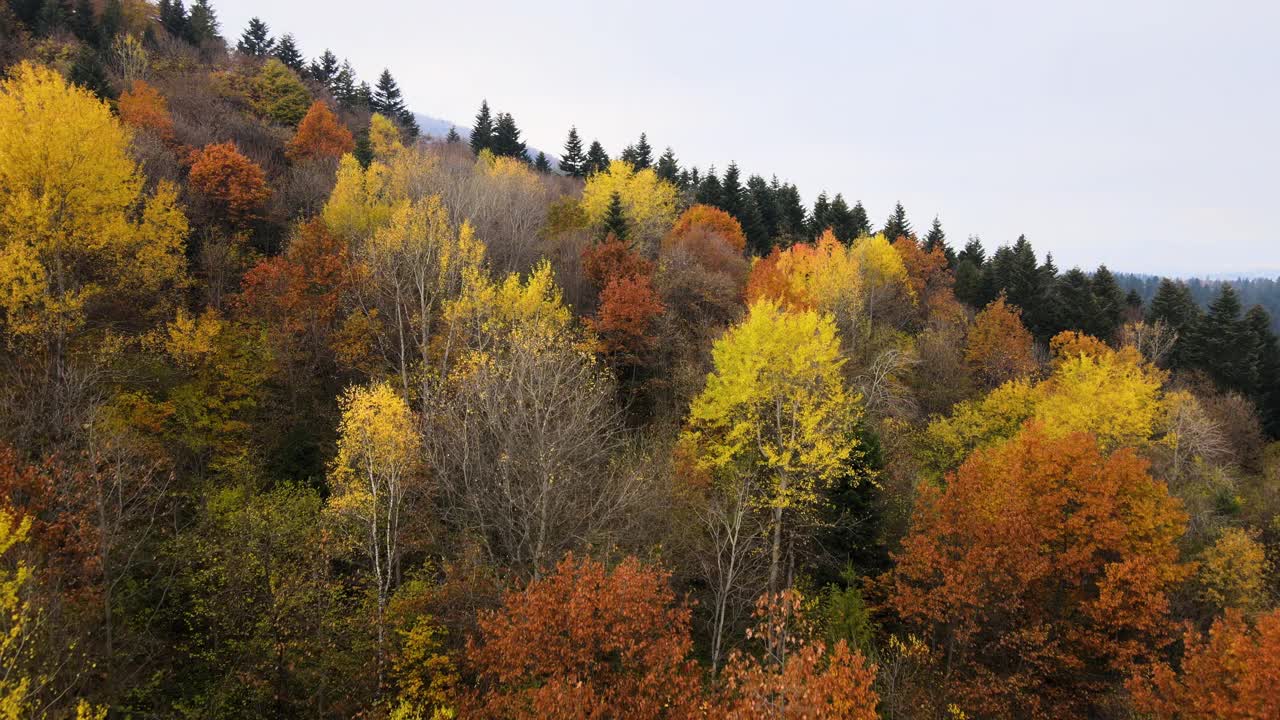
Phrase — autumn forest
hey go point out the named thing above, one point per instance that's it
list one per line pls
(307, 414)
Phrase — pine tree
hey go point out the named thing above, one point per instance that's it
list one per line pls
(597, 159)
(324, 69)
(344, 87)
(1110, 300)
(615, 220)
(643, 154)
(173, 17)
(453, 136)
(1221, 345)
(792, 218)
(256, 40)
(387, 98)
(840, 218)
(753, 226)
(541, 164)
(821, 216)
(970, 271)
(1077, 308)
(897, 225)
(1265, 364)
(84, 23)
(938, 239)
(364, 96)
(287, 52)
(572, 161)
(668, 167)
(709, 190)
(203, 22)
(860, 220)
(731, 192)
(482, 129)
(506, 138)
(1173, 305)
(762, 196)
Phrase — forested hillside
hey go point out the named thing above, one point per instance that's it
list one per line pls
(304, 415)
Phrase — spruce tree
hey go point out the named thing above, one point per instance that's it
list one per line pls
(731, 192)
(860, 222)
(482, 129)
(668, 168)
(573, 161)
(203, 22)
(453, 136)
(615, 219)
(256, 39)
(388, 100)
(344, 87)
(288, 53)
(87, 72)
(792, 218)
(643, 154)
(1110, 301)
(541, 164)
(936, 238)
(1220, 345)
(841, 219)
(762, 196)
(1173, 305)
(173, 17)
(970, 269)
(820, 219)
(1077, 308)
(324, 69)
(364, 96)
(709, 190)
(84, 22)
(597, 159)
(753, 226)
(897, 225)
(1265, 364)
(506, 138)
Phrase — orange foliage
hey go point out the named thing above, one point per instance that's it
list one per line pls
(772, 276)
(628, 306)
(142, 106)
(232, 181)
(586, 642)
(1000, 348)
(711, 219)
(1234, 674)
(711, 251)
(1041, 569)
(320, 135)
(930, 278)
(611, 259)
(1072, 344)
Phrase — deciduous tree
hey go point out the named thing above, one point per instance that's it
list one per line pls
(320, 135)
(232, 182)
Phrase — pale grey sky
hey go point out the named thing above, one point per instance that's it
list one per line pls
(1139, 134)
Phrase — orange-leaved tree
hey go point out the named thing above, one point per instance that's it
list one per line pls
(628, 308)
(1041, 572)
(611, 259)
(1233, 674)
(142, 106)
(232, 182)
(586, 641)
(320, 135)
(708, 218)
(1000, 348)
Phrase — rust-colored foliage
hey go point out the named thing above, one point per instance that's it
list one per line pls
(708, 219)
(611, 259)
(712, 252)
(233, 182)
(1233, 674)
(1000, 348)
(297, 293)
(320, 135)
(930, 278)
(1041, 571)
(628, 306)
(1070, 344)
(770, 279)
(143, 107)
(586, 642)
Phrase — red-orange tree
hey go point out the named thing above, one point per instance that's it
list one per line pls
(1234, 674)
(585, 642)
(320, 135)
(628, 307)
(232, 182)
(142, 106)
(1040, 572)
(1000, 348)
(708, 218)
(611, 259)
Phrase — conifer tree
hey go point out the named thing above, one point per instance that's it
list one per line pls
(482, 129)
(83, 22)
(1173, 305)
(753, 226)
(615, 220)
(453, 136)
(287, 52)
(731, 200)
(1110, 301)
(936, 238)
(506, 138)
(1265, 362)
(203, 22)
(541, 164)
(597, 159)
(1077, 308)
(821, 217)
(388, 100)
(173, 17)
(860, 220)
(792, 218)
(1221, 343)
(970, 270)
(668, 168)
(841, 219)
(572, 161)
(897, 225)
(709, 190)
(256, 39)
(324, 69)
(643, 154)
(344, 87)
(762, 196)
(364, 96)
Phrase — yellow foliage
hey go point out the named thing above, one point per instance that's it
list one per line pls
(384, 138)
(880, 266)
(191, 339)
(15, 619)
(74, 221)
(489, 310)
(776, 406)
(361, 200)
(378, 452)
(1233, 571)
(648, 201)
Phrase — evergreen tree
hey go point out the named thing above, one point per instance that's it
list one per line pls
(1133, 305)
(753, 226)
(84, 23)
(572, 161)
(364, 96)
(1110, 301)
(897, 225)
(324, 69)
(173, 18)
(597, 159)
(203, 22)
(970, 269)
(860, 221)
(792, 218)
(388, 101)
(1265, 362)
(1173, 305)
(256, 39)
(709, 191)
(762, 196)
(344, 87)
(506, 138)
(88, 73)
(482, 129)
(1077, 308)
(731, 192)
(1221, 343)
(668, 168)
(643, 154)
(287, 52)
(936, 238)
(113, 19)
(821, 217)
(841, 219)
(541, 164)
(54, 14)
(615, 220)
(453, 136)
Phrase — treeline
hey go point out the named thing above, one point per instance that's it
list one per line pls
(303, 415)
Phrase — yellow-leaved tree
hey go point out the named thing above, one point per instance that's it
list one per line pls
(648, 201)
(15, 620)
(361, 200)
(384, 138)
(376, 470)
(775, 411)
(78, 234)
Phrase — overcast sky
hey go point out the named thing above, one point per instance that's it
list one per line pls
(1143, 135)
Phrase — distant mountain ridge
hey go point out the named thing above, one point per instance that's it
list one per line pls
(434, 128)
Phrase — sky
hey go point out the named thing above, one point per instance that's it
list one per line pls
(1142, 135)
